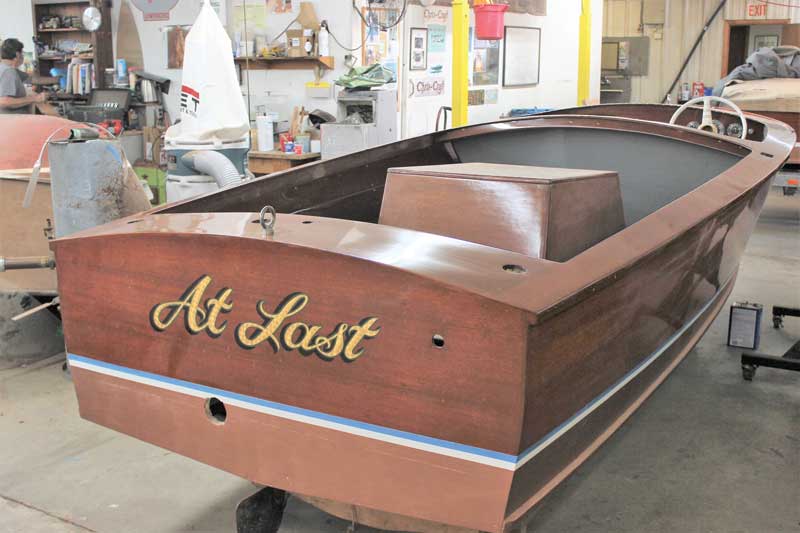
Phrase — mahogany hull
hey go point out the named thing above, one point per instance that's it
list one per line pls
(469, 389)
(370, 472)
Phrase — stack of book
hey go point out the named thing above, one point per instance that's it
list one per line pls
(81, 77)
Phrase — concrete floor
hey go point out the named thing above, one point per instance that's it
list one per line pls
(708, 452)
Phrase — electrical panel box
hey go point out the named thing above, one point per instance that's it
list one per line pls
(744, 325)
(633, 54)
(654, 12)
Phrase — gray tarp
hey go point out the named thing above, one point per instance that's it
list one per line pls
(780, 62)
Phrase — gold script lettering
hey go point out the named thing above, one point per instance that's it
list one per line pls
(293, 304)
(363, 330)
(201, 314)
(198, 316)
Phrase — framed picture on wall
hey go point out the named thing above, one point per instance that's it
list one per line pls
(419, 49)
(484, 61)
(379, 46)
(521, 56)
(765, 41)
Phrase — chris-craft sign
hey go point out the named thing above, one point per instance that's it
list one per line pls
(436, 15)
(433, 86)
(201, 314)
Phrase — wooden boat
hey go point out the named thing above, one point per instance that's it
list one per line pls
(776, 98)
(436, 331)
(23, 232)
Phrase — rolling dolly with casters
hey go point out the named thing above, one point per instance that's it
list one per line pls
(789, 361)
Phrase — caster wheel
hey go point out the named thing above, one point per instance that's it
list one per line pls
(262, 512)
(748, 372)
(66, 371)
(777, 322)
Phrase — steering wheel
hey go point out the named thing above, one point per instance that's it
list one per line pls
(707, 123)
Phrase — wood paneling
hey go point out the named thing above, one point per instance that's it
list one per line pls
(791, 35)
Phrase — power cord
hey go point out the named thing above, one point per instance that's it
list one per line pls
(359, 47)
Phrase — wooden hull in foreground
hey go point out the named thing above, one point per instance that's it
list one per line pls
(408, 475)
(415, 378)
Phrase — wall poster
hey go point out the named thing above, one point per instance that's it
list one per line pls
(380, 46)
(765, 41)
(280, 6)
(484, 61)
(476, 97)
(176, 45)
(437, 38)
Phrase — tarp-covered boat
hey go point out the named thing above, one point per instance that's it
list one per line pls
(438, 330)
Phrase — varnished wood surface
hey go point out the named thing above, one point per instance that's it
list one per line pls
(468, 391)
(522, 351)
(663, 113)
(380, 519)
(534, 480)
(586, 348)
(499, 172)
(791, 119)
(275, 161)
(550, 213)
(301, 458)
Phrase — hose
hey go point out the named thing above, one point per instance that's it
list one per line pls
(213, 164)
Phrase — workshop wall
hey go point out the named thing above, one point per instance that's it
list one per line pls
(670, 43)
(278, 90)
(153, 39)
(558, 85)
(16, 20)
(282, 90)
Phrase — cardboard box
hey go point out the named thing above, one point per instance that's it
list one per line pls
(295, 43)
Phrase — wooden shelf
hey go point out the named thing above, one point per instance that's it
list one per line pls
(285, 63)
(65, 58)
(61, 30)
(100, 53)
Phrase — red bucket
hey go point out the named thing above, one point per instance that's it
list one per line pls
(489, 21)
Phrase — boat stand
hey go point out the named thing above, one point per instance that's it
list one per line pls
(789, 361)
(262, 512)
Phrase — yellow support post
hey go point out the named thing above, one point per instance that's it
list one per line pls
(460, 61)
(584, 51)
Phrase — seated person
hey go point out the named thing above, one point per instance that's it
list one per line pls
(13, 96)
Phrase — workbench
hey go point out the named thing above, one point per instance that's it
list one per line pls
(261, 163)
